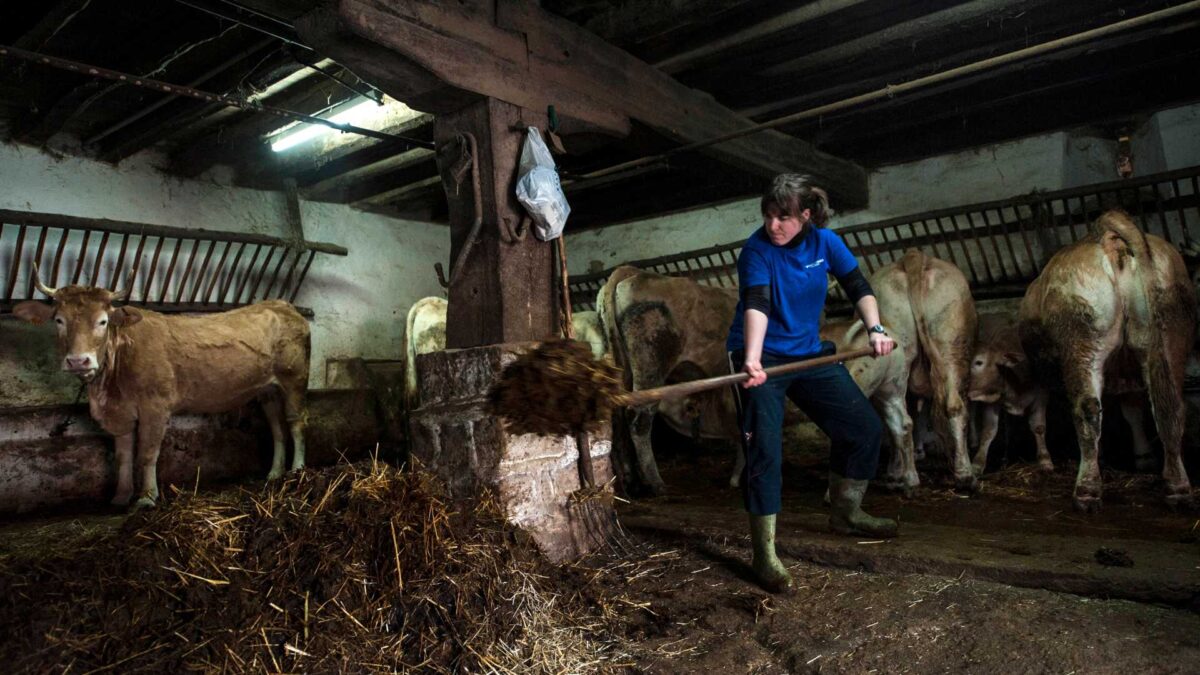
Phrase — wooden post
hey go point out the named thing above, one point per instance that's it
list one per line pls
(505, 291)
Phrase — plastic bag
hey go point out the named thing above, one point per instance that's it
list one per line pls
(538, 188)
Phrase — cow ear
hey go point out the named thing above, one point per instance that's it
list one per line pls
(33, 311)
(1011, 359)
(124, 316)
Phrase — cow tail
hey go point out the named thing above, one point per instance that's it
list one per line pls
(410, 361)
(915, 263)
(606, 308)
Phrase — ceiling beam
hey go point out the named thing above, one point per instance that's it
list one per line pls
(340, 186)
(921, 28)
(787, 21)
(516, 52)
(54, 20)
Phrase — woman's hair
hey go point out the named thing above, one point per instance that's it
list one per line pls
(790, 193)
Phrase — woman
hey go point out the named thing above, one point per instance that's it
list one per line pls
(782, 276)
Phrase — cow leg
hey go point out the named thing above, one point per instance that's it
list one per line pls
(150, 434)
(902, 468)
(1133, 410)
(950, 422)
(991, 424)
(1084, 381)
(1163, 374)
(739, 465)
(641, 423)
(124, 453)
(293, 408)
(273, 407)
(1037, 424)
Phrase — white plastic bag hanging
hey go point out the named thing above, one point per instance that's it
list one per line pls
(538, 188)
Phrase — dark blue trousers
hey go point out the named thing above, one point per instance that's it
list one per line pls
(831, 399)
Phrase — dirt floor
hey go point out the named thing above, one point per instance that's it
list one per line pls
(962, 590)
(1011, 580)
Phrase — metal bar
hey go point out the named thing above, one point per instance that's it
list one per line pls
(115, 281)
(146, 229)
(1016, 261)
(257, 281)
(1033, 262)
(303, 275)
(283, 255)
(58, 254)
(16, 261)
(169, 276)
(87, 236)
(37, 258)
(1162, 216)
(237, 296)
(287, 279)
(1084, 220)
(987, 232)
(223, 287)
(1187, 237)
(1196, 195)
(153, 267)
(216, 276)
(987, 265)
(963, 245)
(209, 97)
(203, 268)
(866, 258)
(99, 259)
(187, 271)
(136, 265)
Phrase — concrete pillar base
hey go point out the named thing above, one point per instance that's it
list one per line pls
(534, 477)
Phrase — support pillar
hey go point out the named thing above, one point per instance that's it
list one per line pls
(501, 301)
(505, 292)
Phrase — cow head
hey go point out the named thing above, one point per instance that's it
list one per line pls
(990, 368)
(86, 322)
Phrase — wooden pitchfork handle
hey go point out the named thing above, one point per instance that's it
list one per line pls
(682, 389)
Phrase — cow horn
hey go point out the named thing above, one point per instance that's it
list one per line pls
(122, 293)
(37, 282)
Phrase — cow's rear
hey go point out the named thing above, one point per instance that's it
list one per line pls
(1117, 296)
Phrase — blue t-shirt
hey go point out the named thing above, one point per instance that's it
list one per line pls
(796, 276)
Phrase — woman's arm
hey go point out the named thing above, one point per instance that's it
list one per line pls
(755, 330)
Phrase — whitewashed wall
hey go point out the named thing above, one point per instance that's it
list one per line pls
(1063, 159)
(360, 301)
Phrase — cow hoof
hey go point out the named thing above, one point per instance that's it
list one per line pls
(121, 500)
(735, 482)
(1183, 502)
(1087, 503)
(142, 503)
(1046, 466)
(978, 469)
(966, 484)
(275, 473)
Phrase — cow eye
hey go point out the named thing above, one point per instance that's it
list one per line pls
(979, 363)
(60, 321)
(103, 322)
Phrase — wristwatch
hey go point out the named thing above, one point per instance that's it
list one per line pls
(878, 328)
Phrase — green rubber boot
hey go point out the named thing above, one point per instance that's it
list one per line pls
(847, 516)
(771, 573)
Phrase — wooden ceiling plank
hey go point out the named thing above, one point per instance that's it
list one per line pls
(588, 79)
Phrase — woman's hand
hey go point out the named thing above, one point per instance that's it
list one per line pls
(755, 371)
(882, 344)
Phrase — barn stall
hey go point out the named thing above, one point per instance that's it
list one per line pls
(208, 155)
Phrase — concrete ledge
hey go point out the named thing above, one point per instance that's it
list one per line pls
(38, 470)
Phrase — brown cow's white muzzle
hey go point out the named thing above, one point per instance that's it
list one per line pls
(82, 366)
(983, 396)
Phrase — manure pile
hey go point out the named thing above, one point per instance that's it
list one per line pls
(558, 388)
(360, 568)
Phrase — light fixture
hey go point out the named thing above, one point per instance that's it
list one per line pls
(355, 114)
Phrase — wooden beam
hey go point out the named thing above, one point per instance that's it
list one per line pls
(340, 186)
(924, 27)
(516, 52)
(788, 20)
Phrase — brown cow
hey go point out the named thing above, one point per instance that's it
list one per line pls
(664, 329)
(928, 305)
(142, 366)
(1001, 378)
(1117, 299)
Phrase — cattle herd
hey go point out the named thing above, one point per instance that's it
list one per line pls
(1113, 313)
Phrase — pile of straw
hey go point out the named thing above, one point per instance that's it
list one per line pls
(360, 568)
(558, 388)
